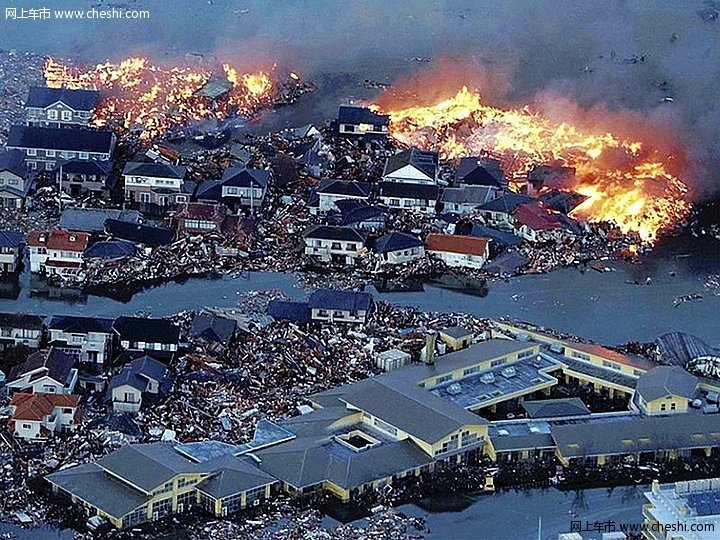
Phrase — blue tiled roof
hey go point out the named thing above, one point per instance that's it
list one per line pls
(73, 140)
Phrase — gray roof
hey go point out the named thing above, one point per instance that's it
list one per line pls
(396, 241)
(245, 177)
(345, 187)
(80, 325)
(73, 140)
(338, 299)
(212, 328)
(11, 239)
(552, 408)
(234, 476)
(456, 332)
(157, 170)
(507, 203)
(14, 162)
(92, 220)
(91, 483)
(79, 100)
(110, 249)
(636, 434)
(58, 364)
(513, 436)
(147, 466)
(149, 367)
(480, 171)
(665, 381)
(426, 162)
(477, 195)
(327, 232)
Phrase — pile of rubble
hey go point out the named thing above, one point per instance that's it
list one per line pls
(18, 72)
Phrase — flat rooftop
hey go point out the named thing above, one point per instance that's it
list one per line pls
(486, 387)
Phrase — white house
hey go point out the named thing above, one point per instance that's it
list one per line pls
(137, 334)
(87, 339)
(413, 197)
(398, 248)
(60, 107)
(56, 252)
(338, 306)
(361, 121)
(16, 181)
(412, 166)
(35, 417)
(458, 251)
(330, 191)
(336, 244)
(466, 199)
(20, 329)
(158, 184)
(47, 371)
(143, 375)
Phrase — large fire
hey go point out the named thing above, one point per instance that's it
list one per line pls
(152, 98)
(624, 182)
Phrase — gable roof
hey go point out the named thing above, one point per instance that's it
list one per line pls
(425, 162)
(551, 176)
(235, 476)
(155, 170)
(147, 330)
(73, 140)
(212, 328)
(535, 216)
(140, 234)
(79, 100)
(361, 115)
(360, 214)
(344, 187)
(90, 482)
(664, 381)
(13, 161)
(298, 312)
(110, 249)
(56, 239)
(480, 171)
(453, 243)
(57, 364)
(340, 300)
(38, 406)
(396, 241)
(21, 320)
(80, 325)
(327, 232)
(79, 166)
(147, 466)
(477, 195)
(244, 177)
(209, 190)
(11, 239)
(506, 203)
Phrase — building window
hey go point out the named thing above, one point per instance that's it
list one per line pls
(581, 356)
(26, 426)
(138, 515)
(84, 155)
(32, 152)
(672, 406)
(66, 115)
(444, 378)
(498, 362)
(50, 153)
(161, 508)
(663, 407)
(52, 115)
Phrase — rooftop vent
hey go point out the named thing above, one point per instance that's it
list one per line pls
(509, 372)
(454, 389)
(488, 378)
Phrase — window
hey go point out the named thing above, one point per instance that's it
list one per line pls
(526, 354)
(470, 371)
(49, 166)
(52, 115)
(336, 245)
(66, 115)
(67, 410)
(144, 197)
(351, 247)
(50, 153)
(161, 508)
(48, 389)
(32, 152)
(663, 407)
(444, 378)
(12, 182)
(581, 356)
(136, 516)
(672, 406)
(84, 155)
(348, 128)
(26, 426)
(497, 362)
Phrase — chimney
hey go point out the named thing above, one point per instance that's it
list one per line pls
(428, 353)
(655, 486)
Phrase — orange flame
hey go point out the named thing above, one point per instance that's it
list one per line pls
(641, 197)
(154, 97)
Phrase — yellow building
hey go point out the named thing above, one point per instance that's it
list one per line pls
(665, 390)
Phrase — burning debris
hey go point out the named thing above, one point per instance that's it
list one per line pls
(137, 94)
(624, 181)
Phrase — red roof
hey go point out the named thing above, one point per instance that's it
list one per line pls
(62, 240)
(38, 406)
(202, 211)
(536, 217)
(62, 264)
(452, 243)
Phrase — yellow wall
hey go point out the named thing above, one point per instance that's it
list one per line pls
(655, 406)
